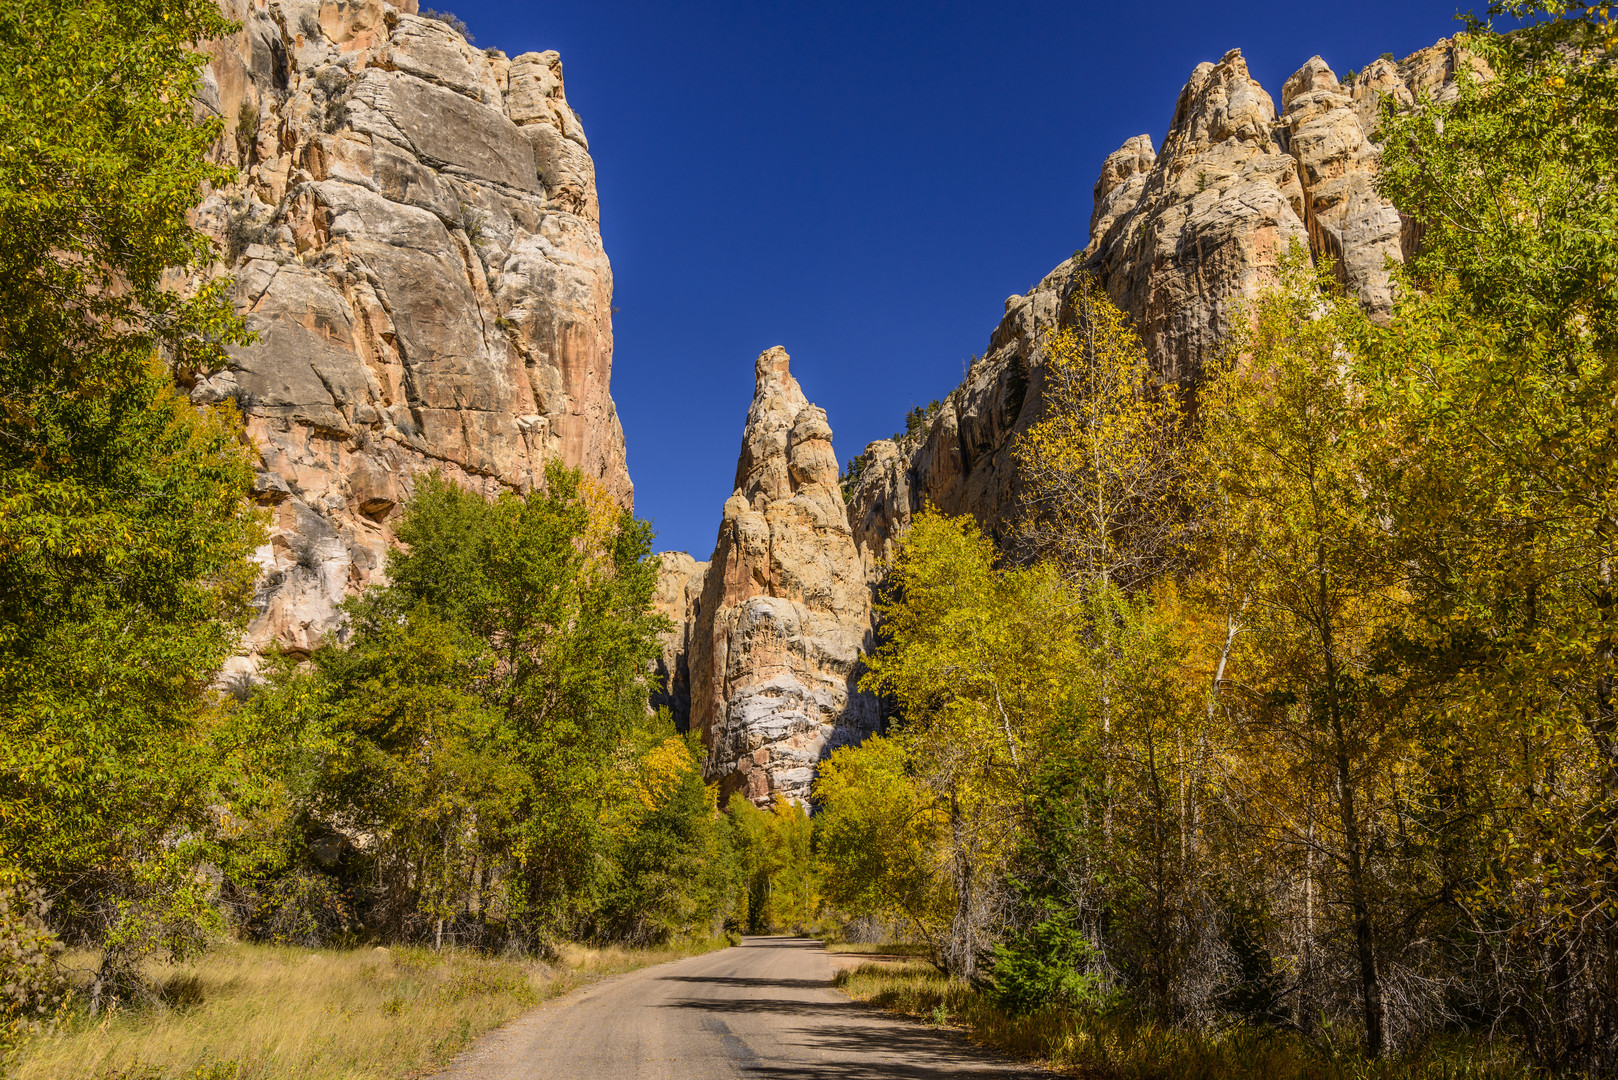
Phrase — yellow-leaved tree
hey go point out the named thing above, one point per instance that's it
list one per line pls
(1289, 452)
(878, 832)
(1102, 470)
(1114, 854)
(981, 662)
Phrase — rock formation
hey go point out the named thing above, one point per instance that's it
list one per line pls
(767, 635)
(783, 610)
(679, 597)
(1179, 238)
(961, 462)
(415, 240)
(1219, 206)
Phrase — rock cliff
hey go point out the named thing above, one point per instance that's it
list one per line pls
(679, 597)
(767, 635)
(1179, 238)
(415, 241)
(782, 611)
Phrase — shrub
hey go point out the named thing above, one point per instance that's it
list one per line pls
(1044, 965)
(333, 83)
(32, 987)
(472, 223)
(301, 908)
(246, 129)
(449, 19)
(242, 232)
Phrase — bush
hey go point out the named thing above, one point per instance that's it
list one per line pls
(302, 908)
(1044, 965)
(333, 84)
(449, 19)
(32, 986)
(472, 223)
(242, 232)
(246, 129)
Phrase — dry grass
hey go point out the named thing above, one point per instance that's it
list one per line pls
(892, 948)
(1116, 1048)
(256, 1012)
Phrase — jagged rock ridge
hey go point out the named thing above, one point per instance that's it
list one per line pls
(415, 240)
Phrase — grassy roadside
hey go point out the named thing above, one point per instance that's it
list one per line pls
(258, 1012)
(1116, 1048)
(857, 948)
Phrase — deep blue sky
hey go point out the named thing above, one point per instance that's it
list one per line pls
(862, 183)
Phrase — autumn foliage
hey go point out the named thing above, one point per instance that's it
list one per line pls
(1295, 709)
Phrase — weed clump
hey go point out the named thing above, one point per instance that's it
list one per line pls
(246, 130)
(451, 20)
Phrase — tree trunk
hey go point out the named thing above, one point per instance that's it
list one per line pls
(1359, 892)
(963, 959)
(1605, 729)
(1306, 967)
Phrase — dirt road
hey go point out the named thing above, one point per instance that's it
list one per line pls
(763, 1009)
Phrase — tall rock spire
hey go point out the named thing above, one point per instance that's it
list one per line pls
(784, 608)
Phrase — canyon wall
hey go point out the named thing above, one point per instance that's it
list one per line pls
(1179, 238)
(415, 241)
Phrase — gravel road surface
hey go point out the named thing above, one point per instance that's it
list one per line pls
(763, 1009)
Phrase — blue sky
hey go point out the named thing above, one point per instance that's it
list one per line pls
(863, 184)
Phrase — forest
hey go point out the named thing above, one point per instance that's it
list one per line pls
(1284, 722)
(1293, 704)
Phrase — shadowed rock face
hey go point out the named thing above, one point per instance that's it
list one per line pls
(415, 240)
(679, 597)
(783, 609)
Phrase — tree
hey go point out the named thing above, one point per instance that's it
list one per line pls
(124, 533)
(1289, 457)
(674, 870)
(485, 727)
(878, 834)
(557, 584)
(407, 752)
(772, 848)
(1107, 498)
(1497, 377)
(981, 663)
(1102, 470)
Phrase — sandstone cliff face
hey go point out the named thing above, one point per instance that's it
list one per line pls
(679, 597)
(961, 463)
(783, 609)
(415, 240)
(1219, 206)
(1180, 239)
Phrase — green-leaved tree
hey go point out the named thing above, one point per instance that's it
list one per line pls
(124, 533)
